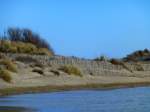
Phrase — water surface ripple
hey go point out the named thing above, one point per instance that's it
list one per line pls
(117, 100)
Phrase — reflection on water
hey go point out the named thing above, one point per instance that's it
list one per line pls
(119, 100)
(13, 109)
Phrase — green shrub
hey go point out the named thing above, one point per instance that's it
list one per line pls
(5, 75)
(9, 65)
(70, 69)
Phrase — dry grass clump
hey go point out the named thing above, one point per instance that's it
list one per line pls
(6, 66)
(22, 47)
(44, 51)
(70, 69)
(138, 67)
(9, 65)
(5, 75)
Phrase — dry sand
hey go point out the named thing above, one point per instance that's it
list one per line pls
(26, 81)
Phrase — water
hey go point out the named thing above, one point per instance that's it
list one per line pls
(118, 100)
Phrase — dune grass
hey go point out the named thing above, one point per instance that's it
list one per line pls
(9, 65)
(70, 69)
(5, 75)
(7, 46)
(16, 40)
(6, 67)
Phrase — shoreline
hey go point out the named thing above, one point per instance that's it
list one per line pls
(54, 88)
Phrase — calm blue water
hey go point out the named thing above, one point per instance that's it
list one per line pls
(118, 100)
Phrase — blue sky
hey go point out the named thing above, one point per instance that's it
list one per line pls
(83, 28)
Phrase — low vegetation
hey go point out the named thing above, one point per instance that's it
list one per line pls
(8, 46)
(24, 41)
(140, 55)
(139, 67)
(5, 75)
(9, 65)
(6, 67)
(70, 69)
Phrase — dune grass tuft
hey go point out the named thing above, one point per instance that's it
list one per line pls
(5, 75)
(9, 65)
(22, 47)
(70, 69)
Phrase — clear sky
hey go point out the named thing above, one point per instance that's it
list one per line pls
(83, 28)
